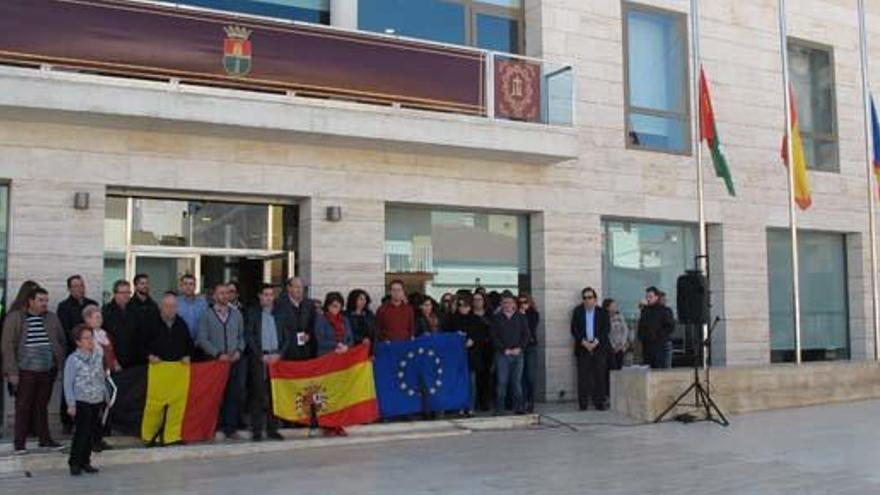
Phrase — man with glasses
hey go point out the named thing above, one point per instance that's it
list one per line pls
(115, 318)
(590, 327)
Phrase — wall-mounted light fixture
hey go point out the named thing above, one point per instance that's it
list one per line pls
(334, 213)
(81, 201)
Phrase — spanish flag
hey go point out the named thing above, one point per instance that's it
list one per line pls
(340, 387)
(802, 195)
(169, 402)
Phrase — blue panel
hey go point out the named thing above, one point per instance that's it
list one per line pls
(427, 19)
(285, 9)
(497, 33)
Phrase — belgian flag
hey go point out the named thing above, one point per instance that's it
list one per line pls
(169, 402)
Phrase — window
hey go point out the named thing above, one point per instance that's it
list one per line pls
(655, 71)
(316, 11)
(823, 291)
(4, 238)
(490, 24)
(639, 255)
(437, 251)
(812, 76)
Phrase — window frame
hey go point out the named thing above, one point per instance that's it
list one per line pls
(834, 137)
(684, 116)
(848, 339)
(472, 8)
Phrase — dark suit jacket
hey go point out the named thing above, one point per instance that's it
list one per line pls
(70, 313)
(253, 332)
(290, 321)
(601, 328)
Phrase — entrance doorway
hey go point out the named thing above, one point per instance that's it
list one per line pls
(248, 269)
(214, 240)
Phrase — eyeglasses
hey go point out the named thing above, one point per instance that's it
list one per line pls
(589, 297)
(523, 303)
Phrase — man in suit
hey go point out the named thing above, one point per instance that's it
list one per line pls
(590, 327)
(295, 318)
(264, 343)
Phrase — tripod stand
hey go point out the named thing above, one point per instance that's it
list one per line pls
(702, 397)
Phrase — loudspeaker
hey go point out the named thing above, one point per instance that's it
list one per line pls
(692, 298)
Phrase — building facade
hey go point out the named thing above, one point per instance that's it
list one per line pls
(588, 182)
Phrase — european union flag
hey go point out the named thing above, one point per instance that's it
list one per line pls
(429, 373)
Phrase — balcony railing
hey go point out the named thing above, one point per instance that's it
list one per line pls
(196, 46)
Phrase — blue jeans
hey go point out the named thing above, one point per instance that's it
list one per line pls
(508, 373)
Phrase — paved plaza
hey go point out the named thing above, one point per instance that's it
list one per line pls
(827, 449)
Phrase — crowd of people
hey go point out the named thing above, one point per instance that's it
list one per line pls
(85, 341)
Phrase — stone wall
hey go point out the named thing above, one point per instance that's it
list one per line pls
(644, 394)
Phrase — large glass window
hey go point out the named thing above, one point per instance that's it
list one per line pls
(491, 24)
(637, 255)
(317, 11)
(437, 251)
(657, 115)
(823, 301)
(4, 239)
(812, 76)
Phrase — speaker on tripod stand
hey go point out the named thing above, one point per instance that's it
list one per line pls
(692, 304)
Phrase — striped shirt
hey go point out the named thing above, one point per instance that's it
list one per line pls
(37, 350)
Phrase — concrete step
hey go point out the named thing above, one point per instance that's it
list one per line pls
(129, 450)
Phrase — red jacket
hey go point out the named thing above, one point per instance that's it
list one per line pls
(395, 323)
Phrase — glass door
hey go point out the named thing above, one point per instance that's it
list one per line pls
(164, 270)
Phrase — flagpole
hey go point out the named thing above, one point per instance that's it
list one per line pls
(866, 95)
(702, 261)
(792, 213)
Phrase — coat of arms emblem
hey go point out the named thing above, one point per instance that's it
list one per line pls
(237, 51)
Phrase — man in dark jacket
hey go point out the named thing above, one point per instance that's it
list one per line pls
(590, 327)
(70, 314)
(169, 339)
(510, 336)
(656, 325)
(263, 340)
(113, 314)
(142, 314)
(295, 318)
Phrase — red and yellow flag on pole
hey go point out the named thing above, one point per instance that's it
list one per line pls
(802, 193)
(339, 386)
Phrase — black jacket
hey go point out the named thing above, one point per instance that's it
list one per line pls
(115, 324)
(169, 344)
(141, 311)
(656, 324)
(363, 326)
(533, 317)
(291, 320)
(601, 328)
(253, 332)
(140, 321)
(70, 313)
(474, 328)
(509, 333)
